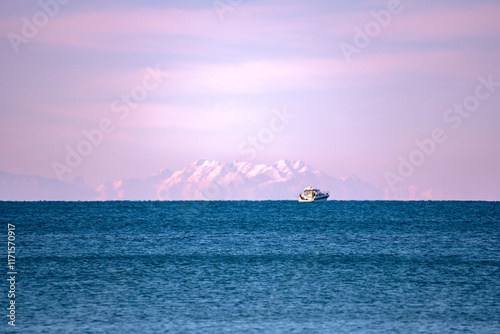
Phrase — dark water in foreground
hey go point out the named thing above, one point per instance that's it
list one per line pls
(254, 267)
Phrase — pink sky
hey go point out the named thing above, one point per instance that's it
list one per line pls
(220, 81)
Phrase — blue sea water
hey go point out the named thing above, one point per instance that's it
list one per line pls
(254, 267)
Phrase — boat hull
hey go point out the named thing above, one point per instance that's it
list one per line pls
(314, 200)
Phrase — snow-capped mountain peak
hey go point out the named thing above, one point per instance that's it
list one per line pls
(204, 179)
(207, 179)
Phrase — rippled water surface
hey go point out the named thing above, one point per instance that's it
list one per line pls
(255, 267)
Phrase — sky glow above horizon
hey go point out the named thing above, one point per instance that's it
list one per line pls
(403, 94)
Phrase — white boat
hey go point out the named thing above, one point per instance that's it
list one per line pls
(311, 194)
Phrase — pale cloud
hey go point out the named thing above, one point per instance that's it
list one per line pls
(256, 24)
(224, 78)
(439, 22)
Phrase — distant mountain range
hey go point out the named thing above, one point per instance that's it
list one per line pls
(16, 187)
(201, 180)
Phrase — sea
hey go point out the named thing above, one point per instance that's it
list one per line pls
(251, 267)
